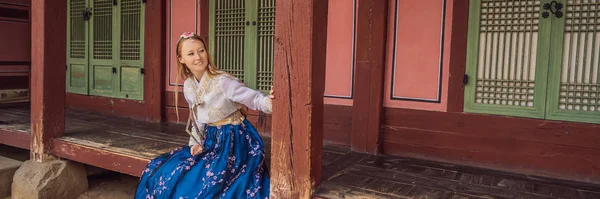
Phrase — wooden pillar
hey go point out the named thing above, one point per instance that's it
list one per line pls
(48, 62)
(299, 84)
(154, 59)
(369, 75)
(203, 16)
(458, 54)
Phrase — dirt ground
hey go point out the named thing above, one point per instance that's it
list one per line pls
(110, 186)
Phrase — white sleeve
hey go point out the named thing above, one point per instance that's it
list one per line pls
(239, 92)
(188, 91)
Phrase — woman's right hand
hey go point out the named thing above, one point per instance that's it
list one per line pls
(195, 150)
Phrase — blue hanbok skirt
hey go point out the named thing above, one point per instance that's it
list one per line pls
(230, 166)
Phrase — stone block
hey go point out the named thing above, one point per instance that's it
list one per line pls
(53, 179)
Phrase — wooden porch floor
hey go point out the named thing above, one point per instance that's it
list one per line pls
(125, 146)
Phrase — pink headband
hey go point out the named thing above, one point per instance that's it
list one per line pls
(186, 35)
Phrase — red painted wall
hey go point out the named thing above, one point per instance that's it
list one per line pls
(443, 132)
(341, 32)
(182, 16)
(418, 54)
(150, 109)
(15, 48)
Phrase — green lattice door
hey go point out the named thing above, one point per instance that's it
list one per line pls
(77, 48)
(241, 39)
(266, 34)
(507, 58)
(109, 35)
(521, 59)
(101, 58)
(574, 86)
(130, 67)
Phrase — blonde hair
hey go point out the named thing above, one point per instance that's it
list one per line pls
(184, 72)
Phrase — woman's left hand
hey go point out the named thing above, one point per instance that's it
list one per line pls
(271, 93)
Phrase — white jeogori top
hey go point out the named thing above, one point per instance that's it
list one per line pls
(217, 97)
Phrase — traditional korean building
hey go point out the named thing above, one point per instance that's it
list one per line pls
(504, 85)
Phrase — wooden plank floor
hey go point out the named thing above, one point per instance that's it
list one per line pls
(367, 176)
(138, 139)
(126, 145)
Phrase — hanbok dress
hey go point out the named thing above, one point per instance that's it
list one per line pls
(232, 163)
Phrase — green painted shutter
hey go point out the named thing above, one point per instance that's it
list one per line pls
(241, 39)
(574, 85)
(250, 45)
(227, 30)
(77, 65)
(101, 61)
(266, 33)
(130, 66)
(507, 58)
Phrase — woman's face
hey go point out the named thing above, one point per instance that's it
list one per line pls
(193, 55)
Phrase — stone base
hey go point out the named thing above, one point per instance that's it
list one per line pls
(53, 179)
(8, 167)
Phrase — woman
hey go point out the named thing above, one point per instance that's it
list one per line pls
(225, 155)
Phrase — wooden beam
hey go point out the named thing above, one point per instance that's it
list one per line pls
(14, 82)
(299, 84)
(369, 75)
(15, 139)
(121, 163)
(154, 53)
(48, 56)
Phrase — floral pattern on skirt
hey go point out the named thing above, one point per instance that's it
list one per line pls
(231, 166)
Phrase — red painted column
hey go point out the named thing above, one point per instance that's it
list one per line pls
(369, 75)
(48, 62)
(203, 16)
(155, 55)
(299, 84)
(458, 55)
